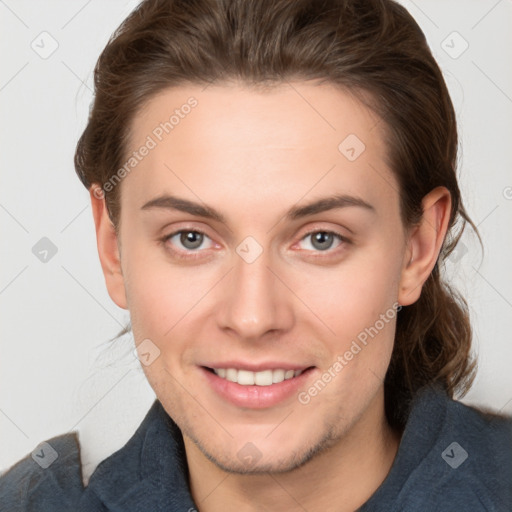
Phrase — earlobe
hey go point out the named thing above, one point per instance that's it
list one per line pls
(108, 247)
(424, 244)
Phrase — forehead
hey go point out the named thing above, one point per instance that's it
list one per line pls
(293, 139)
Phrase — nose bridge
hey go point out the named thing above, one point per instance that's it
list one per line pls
(254, 302)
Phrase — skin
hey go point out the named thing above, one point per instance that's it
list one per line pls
(252, 155)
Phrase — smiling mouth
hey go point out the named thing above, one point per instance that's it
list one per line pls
(261, 378)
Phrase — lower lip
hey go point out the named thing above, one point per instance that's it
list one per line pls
(256, 397)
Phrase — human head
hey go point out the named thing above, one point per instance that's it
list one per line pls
(372, 49)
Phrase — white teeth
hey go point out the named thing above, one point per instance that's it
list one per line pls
(245, 378)
(263, 378)
(231, 374)
(278, 376)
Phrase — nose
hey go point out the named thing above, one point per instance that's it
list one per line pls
(254, 301)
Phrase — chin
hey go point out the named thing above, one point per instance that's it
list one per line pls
(281, 455)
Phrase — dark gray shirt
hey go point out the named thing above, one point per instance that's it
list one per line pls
(451, 458)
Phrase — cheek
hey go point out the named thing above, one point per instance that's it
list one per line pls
(150, 292)
(351, 296)
(165, 299)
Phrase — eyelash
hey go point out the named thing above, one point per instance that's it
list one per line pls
(196, 253)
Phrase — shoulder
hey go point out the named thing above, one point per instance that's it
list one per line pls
(451, 456)
(474, 452)
(48, 479)
(148, 473)
(468, 462)
(486, 432)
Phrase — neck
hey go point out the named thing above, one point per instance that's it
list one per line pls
(341, 478)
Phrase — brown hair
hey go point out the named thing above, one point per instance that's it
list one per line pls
(374, 49)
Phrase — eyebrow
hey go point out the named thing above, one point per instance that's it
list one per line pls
(320, 205)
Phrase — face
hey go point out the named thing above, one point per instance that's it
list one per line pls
(261, 240)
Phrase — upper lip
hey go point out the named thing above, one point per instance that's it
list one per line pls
(257, 367)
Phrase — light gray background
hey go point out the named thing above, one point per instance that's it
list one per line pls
(58, 371)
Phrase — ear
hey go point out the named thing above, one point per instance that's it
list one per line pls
(108, 247)
(424, 244)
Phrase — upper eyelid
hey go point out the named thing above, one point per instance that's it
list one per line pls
(186, 230)
(331, 231)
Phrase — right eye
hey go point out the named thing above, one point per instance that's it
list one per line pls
(190, 239)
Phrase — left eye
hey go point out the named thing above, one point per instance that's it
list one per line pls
(190, 240)
(323, 240)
